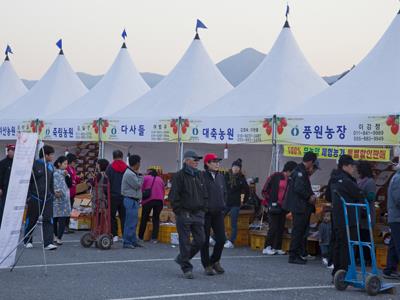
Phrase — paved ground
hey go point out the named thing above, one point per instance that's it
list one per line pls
(150, 273)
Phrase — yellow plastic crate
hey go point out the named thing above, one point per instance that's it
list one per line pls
(164, 235)
(257, 241)
(381, 256)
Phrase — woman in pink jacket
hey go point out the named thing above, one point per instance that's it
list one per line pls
(154, 202)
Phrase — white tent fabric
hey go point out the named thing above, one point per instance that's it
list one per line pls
(11, 86)
(194, 83)
(58, 88)
(121, 85)
(371, 87)
(283, 78)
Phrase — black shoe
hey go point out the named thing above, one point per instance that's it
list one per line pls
(188, 275)
(138, 245)
(209, 271)
(128, 246)
(297, 261)
(217, 267)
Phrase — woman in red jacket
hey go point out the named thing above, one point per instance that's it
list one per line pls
(274, 192)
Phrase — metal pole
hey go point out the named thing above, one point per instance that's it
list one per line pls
(101, 143)
(180, 144)
(275, 147)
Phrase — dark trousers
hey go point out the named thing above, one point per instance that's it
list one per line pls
(34, 209)
(214, 221)
(393, 255)
(2, 204)
(186, 224)
(117, 205)
(71, 200)
(156, 206)
(299, 230)
(59, 226)
(275, 230)
(341, 258)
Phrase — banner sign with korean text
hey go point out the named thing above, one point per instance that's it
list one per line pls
(231, 130)
(332, 152)
(16, 196)
(10, 128)
(339, 130)
(68, 130)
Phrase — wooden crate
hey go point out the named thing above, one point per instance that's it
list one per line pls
(164, 235)
(257, 240)
(381, 255)
(242, 238)
(244, 220)
(285, 243)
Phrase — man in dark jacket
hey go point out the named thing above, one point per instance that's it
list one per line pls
(300, 202)
(40, 198)
(114, 172)
(188, 197)
(343, 184)
(214, 218)
(5, 172)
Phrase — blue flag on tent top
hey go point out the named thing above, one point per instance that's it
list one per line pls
(200, 24)
(59, 44)
(8, 50)
(124, 34)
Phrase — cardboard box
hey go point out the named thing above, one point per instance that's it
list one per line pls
(82, 222)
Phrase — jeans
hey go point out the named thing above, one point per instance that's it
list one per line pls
(189, 223)
(234, 215)
(131, 220)
(156, 206)
(324, 251)
(214, 221)
(393, 255)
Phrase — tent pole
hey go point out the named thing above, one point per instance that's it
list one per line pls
(275, 148)
(101, 143)
(180, 145)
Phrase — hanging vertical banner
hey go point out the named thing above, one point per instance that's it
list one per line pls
(16, 196)
(339, 130)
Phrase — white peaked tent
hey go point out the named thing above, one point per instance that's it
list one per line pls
(11, 86)
(371, 87)
(121, 85)
(284, 78)
(58, 88)
(194, 83)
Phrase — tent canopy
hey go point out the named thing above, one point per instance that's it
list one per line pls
(11, 86)
(371, 87)
(283, 78)
(194, 83)
(58, 87)
(121, 85)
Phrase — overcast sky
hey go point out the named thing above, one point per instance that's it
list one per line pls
(333, 34)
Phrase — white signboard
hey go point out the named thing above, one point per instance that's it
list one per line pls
(16, 196)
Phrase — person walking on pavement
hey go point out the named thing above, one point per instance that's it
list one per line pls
(214, 217)
(75, 180)
(5, 172)
(40, 198)
(188, 197)
(393, 206)
(343, 184)
(131, 189)
(274, 193)
(114, 172)
(236, 185)
(300, 202)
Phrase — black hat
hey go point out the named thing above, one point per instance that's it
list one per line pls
(346, 160)
(191, 154)
(237, 163)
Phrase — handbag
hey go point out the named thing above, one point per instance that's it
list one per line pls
(146, 194)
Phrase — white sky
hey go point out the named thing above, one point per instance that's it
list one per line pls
(333, 34)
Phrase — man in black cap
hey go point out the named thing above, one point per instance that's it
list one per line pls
(300, 202)
(5, 172)
(343, 184)
(188, 197)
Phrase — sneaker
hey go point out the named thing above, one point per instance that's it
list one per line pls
(154, 241)
(58, 241)
(269, 251)
(308, 257)
(28, 245)
(331, 266)
(115, 239)
(212, 242)
(297, 261)
(50, 247)
(217, 267)
(128, 246)
(140, 240)
(392, 275)
(229, 245)
(280, 252)
(209, 271)
(188, 275)
(325, 261)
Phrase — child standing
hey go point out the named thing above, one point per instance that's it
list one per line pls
(325, 232)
